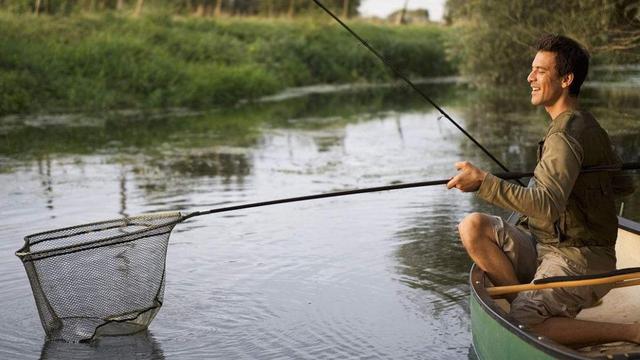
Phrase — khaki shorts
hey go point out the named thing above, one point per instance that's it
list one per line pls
(537, 261)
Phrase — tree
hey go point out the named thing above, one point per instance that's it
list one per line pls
(139, 6)
(347, 8)
(291, 9)
(495, 37)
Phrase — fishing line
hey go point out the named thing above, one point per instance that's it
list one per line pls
(413, 86)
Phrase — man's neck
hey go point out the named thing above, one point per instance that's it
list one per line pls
(564, 103)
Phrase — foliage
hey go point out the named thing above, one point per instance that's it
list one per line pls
(84, 62)
(182, 7)
(495, 37)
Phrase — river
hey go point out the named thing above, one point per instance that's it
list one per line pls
(379, 275)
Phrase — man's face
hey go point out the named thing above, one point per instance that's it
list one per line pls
(545, 82)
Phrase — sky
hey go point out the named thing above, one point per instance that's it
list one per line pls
(382, 8)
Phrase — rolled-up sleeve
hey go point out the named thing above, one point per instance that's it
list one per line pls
(554, 177)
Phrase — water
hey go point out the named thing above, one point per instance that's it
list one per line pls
(368, 276)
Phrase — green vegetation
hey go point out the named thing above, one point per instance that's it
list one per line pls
(107, 61)
(495, 38)
(93, 55)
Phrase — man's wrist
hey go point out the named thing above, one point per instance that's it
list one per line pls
(483, 175)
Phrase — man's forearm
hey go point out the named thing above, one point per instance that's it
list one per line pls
(554, 176)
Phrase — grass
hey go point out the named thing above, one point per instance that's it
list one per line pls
(99, 62)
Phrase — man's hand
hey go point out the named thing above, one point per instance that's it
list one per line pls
(468, 179)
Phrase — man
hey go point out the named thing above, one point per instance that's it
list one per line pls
(568, 225)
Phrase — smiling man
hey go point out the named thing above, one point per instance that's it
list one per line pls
(569, 224)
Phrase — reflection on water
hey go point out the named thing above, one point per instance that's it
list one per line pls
(431, 259)
(137, 346)
(375, 275)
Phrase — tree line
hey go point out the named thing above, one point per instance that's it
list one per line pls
(264, 8)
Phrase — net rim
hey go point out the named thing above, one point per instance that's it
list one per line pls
(26, 255)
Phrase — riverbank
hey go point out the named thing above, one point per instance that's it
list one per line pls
(106, 62)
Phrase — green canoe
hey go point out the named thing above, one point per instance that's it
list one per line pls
(497, 336)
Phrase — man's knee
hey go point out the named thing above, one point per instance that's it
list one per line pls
(475, 229)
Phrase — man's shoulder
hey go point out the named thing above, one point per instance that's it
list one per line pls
(574, 123)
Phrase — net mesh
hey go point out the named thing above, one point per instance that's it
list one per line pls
(103, 278)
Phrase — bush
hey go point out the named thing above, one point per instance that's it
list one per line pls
(226, 85)
(107, 61)
(16, 88)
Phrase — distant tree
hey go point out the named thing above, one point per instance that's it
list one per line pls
(290, 8)
(345, 8)
(337, 6)
(139, 6)
(400, 19)
(409, 16)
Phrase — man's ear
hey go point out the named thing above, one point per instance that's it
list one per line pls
(567, 80)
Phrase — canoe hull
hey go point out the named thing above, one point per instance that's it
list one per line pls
(498, 336)
(491, 340)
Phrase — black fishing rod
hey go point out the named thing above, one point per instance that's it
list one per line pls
(505, 176)
(412, 85)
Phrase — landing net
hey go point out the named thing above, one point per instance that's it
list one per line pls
(104, 278)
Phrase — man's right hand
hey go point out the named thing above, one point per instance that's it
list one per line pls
(469, 177)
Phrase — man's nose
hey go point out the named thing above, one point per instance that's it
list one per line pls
(530, 77)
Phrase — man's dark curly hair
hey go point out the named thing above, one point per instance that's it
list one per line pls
(571, 57)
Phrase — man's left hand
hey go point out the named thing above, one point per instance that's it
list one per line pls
(469, 177)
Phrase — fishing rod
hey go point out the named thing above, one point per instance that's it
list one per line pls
(413, 86)
(505, 176)
(66, 266)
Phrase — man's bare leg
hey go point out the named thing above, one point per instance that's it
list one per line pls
(478, 237)
(579, 333)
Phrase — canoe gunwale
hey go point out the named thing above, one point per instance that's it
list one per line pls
(629, 225)
(551, 348)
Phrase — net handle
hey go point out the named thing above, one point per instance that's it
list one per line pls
(504, 176)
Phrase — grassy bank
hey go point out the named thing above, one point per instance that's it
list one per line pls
(81, 63)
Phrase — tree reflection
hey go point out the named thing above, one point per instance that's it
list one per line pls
(172, 151)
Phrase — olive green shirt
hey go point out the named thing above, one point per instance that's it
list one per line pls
(562, 206)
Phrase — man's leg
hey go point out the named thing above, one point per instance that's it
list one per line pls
(551, 312)
(479, 236)
(579, 333)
